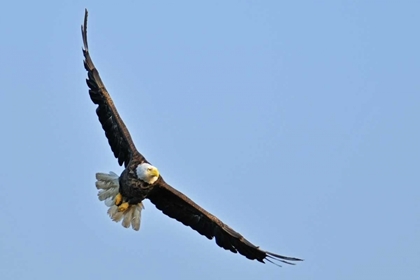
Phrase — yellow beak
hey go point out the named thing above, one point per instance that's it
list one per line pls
(154, 172)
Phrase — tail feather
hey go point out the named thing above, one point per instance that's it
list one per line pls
(135, 221)
(109, 193)
(114, 214)
(111, 176)
(101, 185)
(128, 214)
(109, 201)
(108, 186)
(106, 181)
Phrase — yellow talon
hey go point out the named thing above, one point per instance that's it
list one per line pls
(123, 207)
(118, 199)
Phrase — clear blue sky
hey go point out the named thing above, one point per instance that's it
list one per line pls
(295, 122)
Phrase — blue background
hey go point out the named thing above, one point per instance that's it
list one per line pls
(295, 122)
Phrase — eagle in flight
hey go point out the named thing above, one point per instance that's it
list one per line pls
(140, 180)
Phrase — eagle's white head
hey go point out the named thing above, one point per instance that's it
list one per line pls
(147, 173)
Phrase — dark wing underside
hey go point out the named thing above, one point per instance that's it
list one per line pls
(178, 206)
(115, 130)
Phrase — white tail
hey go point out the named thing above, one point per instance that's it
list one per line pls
(108, 186)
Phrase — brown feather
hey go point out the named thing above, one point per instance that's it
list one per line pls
(115, 130)
(178, 206)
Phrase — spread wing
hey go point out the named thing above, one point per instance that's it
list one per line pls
(115, 130)
(178, 206)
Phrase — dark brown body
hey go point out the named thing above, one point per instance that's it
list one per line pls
(132, 188)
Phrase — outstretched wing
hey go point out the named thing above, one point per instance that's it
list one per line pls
(178, 206)
(115, 130)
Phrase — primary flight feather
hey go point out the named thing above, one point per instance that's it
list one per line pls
(140, 180)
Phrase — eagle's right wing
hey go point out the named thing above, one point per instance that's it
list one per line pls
(178, 206)
(115, 130)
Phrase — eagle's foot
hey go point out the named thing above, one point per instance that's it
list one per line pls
(118, 199)
(123, 207)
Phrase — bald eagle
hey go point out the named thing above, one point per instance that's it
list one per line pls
(140, 180)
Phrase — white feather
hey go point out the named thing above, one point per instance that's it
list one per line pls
(110, 201)
(112, 210)
(147, 173)
(111, 176)
(109, 193)
(107, 181)
(136, 220)
(102, 185)
(114, 214)
(108, 186)
(128, 214)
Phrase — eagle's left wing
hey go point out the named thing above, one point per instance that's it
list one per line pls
(178, 206)
(115, 130)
